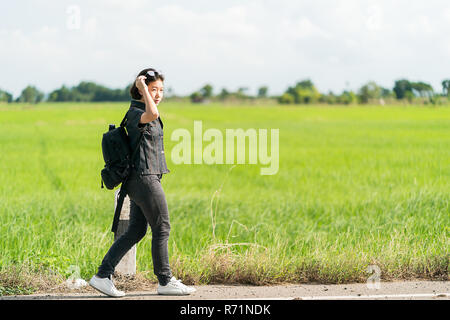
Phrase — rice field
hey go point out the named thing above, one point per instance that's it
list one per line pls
(356, 186)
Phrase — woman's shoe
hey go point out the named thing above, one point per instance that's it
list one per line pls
(105, 286)
(175, 288)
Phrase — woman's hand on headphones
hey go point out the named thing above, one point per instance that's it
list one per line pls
(140, 83)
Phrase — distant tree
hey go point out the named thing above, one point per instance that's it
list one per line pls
(446, 87)
(329, 98)
(401, 88)
(61, 95)
(203, 94)
(89, 91)
(422, 89)
(286, 98)
(305, 84)
(207, 91)
(262, 92)
(30, 95)
(435, 99)
(86, 87)
(127, 96)
(347, 97)
(224, 94)
(409, 95)
(102, 93)
(5, 96)
(196, 97)
(369, 91)
(386, 93)
(241, 93)
(304, 92)
(84, 91)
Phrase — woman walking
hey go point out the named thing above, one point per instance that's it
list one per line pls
(147, 198)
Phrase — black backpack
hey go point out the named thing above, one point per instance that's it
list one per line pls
(118, 162)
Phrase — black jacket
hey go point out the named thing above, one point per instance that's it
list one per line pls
(150, 159)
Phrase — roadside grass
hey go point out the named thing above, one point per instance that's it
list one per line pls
(356, 186)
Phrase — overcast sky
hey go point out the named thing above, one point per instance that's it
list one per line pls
(338, 44)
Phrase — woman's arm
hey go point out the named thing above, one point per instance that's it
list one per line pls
(151, 111)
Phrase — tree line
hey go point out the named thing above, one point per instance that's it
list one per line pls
(83, 92)
(303, 92)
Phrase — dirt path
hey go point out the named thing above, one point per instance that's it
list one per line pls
(388, 290)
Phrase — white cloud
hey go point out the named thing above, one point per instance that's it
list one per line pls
(301, 29)
(375, 18)
(90, 26)
(420, 25)
(231, 22)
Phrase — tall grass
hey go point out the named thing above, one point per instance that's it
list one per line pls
(356, 186)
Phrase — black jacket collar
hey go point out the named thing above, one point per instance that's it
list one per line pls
(137, 104)
(141, 105)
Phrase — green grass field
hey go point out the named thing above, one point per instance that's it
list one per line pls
(356, 186)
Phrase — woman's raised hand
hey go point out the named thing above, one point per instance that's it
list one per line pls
(140, 83)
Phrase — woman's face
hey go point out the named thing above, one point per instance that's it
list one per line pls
(156, 89)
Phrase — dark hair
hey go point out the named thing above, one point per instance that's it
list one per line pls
(134, 91)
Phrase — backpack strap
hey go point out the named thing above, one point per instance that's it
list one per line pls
(124, 120)
(121, 198)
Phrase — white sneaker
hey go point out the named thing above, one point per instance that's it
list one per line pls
(106, 286)
(175, 288)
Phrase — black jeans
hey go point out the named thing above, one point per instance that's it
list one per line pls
(148, 207)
